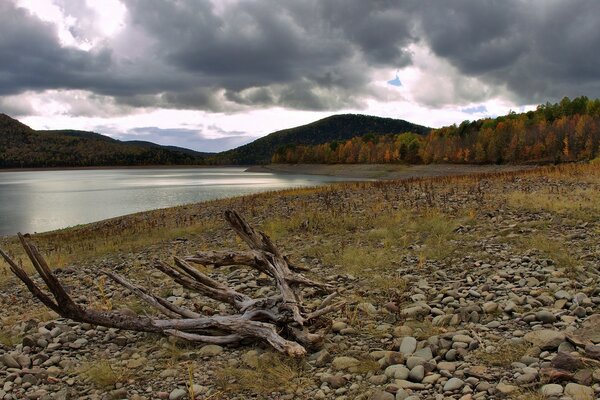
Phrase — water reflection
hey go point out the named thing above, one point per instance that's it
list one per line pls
(38, 201)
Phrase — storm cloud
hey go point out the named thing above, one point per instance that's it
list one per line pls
(230, 56)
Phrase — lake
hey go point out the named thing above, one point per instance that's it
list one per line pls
(39, 201)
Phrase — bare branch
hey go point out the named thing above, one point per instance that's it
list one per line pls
(280, 320)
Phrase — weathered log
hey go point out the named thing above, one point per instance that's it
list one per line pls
(281, 320)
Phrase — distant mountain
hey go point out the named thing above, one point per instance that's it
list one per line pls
(22, 147)
(336, 127)
(190, 152)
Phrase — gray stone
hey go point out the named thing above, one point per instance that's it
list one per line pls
(413, 361)
(545, 339)
(417, 373)
(425, 353)
(345, 363)
(579, 392)
(381, 395)
(563, 295)
(178, 394)
(378, 379)
(338, 326)
(397, 371)
(402, 394)
(210, 350)
(506, 388)
(551, 389)
(408, 345)
(9, 361)
(453, 384)
(545, 316)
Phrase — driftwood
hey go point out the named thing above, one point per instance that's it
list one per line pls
(280, 320)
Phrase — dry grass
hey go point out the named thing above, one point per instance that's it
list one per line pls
(8, 338)
(423, 330)
(273, 373)
(554, 250)
(580, 204)
(102, 374)
(503, 355)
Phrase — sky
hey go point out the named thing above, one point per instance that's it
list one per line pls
(212, 75)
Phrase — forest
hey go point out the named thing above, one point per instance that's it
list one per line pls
(562, 132)
(23, 147)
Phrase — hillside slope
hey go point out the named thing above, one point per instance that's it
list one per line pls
(23, 147)
(336, 127)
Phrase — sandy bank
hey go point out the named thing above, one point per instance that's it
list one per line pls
(385, 171)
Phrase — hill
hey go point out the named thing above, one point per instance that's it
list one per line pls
(334, 128)
(23, 147)
(567, 131)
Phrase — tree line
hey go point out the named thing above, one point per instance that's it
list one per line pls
(561, 132)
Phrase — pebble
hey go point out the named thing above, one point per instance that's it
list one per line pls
(453, 384)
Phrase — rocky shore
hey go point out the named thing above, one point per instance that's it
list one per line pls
(500, 316)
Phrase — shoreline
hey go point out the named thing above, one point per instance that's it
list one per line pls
(356, 171)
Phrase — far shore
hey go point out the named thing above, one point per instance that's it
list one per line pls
(386, 171)
(118, 167)
(353, 171)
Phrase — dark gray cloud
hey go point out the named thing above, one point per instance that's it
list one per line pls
(539, 50)
(33, 59)
(310, 55)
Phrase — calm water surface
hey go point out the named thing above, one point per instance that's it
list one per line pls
(38, 201)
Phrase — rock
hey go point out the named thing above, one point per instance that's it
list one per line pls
(338, 326)
(402, 330)
(335, 381)
(378, 379)
(425, 353)
(402, 394)
(446, 366)
(551, 390)
(9, 361)
(579, 392)
(381, 395)
(417, 373)
(545, 339)
(453, 384)
(545, 316)
(592, 351)
(210, 350)
(178, 394)
(30, 378)
(397, 371)
(408, 345)
(505, 388)
(345, 363)
(584, 377)
(567, 362)
(24, 361)
(413, 361)
(489, 307)
(321, 358)
(168, 373)
(590, 329)
(462, 338)
(563, 295)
